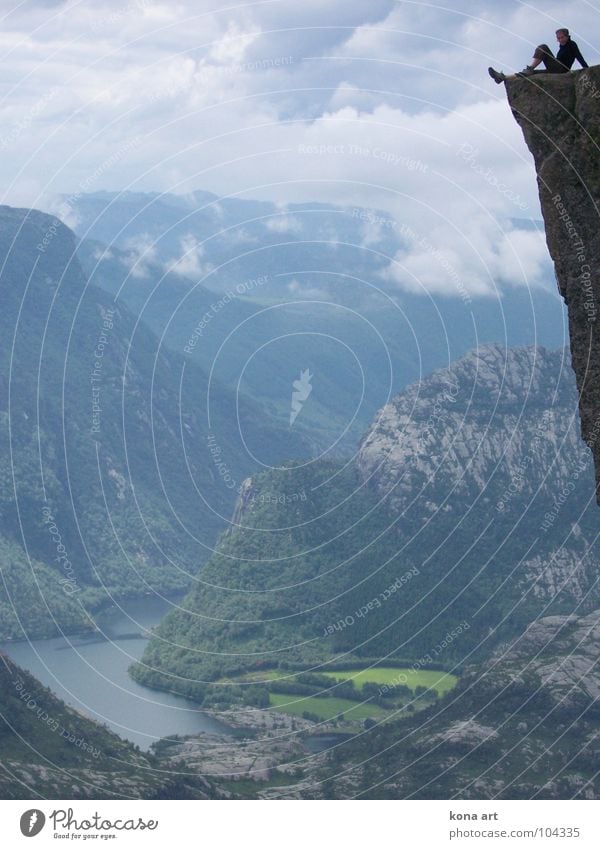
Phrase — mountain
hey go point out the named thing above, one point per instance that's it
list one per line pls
(496, 426)
(51, 751)
(120, 462)
(256, 294)
(524, 725)
(223, 241)
(559, 118)
(467, 501)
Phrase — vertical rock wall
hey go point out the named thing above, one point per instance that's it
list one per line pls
(560, 118)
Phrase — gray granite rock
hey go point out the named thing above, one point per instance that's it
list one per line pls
(560, 119)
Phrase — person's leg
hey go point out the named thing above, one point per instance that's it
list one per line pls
(551, 63)
(499, 77)
(542, 53)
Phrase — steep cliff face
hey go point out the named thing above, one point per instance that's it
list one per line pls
(560, 119)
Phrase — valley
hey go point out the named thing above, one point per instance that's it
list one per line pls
(336, 579)
(379, 564)
(299, 418)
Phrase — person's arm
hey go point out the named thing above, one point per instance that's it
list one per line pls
(579, 57)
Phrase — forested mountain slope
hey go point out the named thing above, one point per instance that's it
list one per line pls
(108, 484)
(467, 502)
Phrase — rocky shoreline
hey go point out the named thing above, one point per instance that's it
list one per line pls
(266, 748)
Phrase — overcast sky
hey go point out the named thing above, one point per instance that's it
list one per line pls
(374, 103)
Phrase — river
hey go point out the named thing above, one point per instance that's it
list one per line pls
(90, 673)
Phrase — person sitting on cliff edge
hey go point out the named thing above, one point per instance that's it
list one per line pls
(559, 64)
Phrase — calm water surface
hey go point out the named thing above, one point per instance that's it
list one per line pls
(90, 673)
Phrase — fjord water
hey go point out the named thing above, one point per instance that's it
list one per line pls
(90, 673)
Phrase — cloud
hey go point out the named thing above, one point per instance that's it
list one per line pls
(486, 260)
(296, 288)
(188, 263)
(233, 45)
(284, 224)
(100, 254)
(357, 104)
(140, 255)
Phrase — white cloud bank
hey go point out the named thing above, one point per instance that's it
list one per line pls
(386, 106)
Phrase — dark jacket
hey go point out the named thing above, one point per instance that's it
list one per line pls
(567, 54)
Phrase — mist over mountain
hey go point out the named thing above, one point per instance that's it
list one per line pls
(255, 293)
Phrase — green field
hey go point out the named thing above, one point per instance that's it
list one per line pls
(326, 709)
(443, 682)
(429, 678)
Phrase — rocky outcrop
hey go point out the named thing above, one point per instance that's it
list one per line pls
(560, 119)
(243, 503)
(561, 652)
(496, 433)
(496, 424)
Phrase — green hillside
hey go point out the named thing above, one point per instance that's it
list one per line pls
(330, 563)
(107, 479)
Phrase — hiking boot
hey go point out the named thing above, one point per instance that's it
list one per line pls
(527, 71)
(497, 76)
